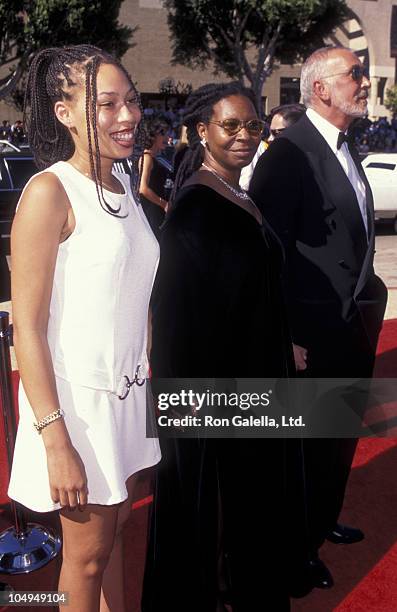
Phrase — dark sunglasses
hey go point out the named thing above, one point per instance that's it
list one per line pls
(357, 72)
(276, 132)
(233, 126)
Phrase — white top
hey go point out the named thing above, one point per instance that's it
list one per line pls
(97, 335)
(94, 335)
(247, 171)
(330, 132)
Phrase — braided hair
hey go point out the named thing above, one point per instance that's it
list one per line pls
(53, 73)
(199, 108)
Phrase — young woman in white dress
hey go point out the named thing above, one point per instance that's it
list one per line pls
(83, 264)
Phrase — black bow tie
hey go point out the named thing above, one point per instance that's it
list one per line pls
(342, 137)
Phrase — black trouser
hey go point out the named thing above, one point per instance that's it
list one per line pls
(327, 467)
(327, 461)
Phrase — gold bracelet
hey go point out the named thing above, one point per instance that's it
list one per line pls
(53, 416)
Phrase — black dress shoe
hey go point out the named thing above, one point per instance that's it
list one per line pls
(319, 574)
(304, 579)
(342, 534)
(225, 597)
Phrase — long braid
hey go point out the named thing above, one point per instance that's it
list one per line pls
(199, 108)
(51, 76)
(95, 161)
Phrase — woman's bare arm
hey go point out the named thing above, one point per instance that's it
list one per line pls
(144, 189)
(43, 217)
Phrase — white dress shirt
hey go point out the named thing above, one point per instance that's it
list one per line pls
(247, 171)
(330, 132)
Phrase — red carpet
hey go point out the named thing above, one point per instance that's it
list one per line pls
(386, 362)
(371, 594)
(365, 573)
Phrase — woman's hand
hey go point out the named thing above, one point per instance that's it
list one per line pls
(67, 477)
(300, 357)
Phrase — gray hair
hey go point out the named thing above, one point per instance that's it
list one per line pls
(313, 69)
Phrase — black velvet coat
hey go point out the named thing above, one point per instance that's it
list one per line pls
(217, 312)
(217, 308)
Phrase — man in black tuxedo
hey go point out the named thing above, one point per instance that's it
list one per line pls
(311, 188)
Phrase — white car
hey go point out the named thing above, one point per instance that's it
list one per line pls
(381, 172)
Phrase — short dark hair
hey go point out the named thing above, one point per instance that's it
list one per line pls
(153, 127)
(291, 113)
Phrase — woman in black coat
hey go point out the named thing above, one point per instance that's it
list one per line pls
(218, 313)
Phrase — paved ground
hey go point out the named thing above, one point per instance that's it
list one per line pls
(385, 266)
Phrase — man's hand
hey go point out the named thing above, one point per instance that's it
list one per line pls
(300, 357)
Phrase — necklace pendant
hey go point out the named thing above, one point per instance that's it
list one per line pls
(239, 193)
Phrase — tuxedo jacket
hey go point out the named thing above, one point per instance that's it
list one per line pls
(335, 301)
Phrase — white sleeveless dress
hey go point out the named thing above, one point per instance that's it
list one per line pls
(97, 334)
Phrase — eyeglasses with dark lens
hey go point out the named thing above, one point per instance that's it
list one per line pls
(233, 126)
(357, 72)
(276, 132)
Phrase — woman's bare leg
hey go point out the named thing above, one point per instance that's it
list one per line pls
(112, 595)
(88, 538)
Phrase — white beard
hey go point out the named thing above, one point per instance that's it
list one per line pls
(350, 109)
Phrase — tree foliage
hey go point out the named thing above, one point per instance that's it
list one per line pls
(243, 38)
(28, 25)
(391, 99)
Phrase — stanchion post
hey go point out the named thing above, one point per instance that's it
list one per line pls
(25, 546)
(6, 391)
(7, 400)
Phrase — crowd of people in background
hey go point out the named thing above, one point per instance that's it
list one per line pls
(376, 136)
(13, 133)
(369, 136)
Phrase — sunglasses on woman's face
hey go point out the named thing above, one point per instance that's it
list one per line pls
(233, 126)
(357, 72)
(276, 132)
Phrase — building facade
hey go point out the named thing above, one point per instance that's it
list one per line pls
(371, 32)
(368, 32)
